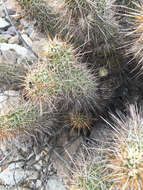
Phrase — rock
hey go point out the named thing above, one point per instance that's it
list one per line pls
(2, 15)
(54, 183)
(12, 5)
(13, 188)
(13, 40)
(37, 166)
(11, 12)
(38, 183)
(9, 57)
(31, 32)
(101, 132)
(22, 51)
(19, 188)
(8, 100)
(14, 174)
(24, 23)
(19, 49)
(11, 31)
(4, 38)
(27, 39)
(3, 188)
(63, 168)
(3, 23)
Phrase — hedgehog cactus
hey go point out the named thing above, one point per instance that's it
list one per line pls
(135, 32)
(88, 168)
(60, 77)
(85, 21)
(79, 121)
(125, 157)
(17, 121)
(44, 17)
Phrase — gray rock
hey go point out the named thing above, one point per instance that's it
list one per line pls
(31, 32)
(4, 38)
(8, 100)
(24, 23)
(13, 40)
(2, 15)
(3, 23)
(9, 57)
(55, 184)
(19, 188)
(101, 132)
(22, 51)
(19, 49)
(13, 188)
(3, 188)
(11, 11)
(38, 183)
(14, 174)
(11, 31)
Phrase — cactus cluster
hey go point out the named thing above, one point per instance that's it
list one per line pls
(117, 164)
(63, 86)
(84, 23)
